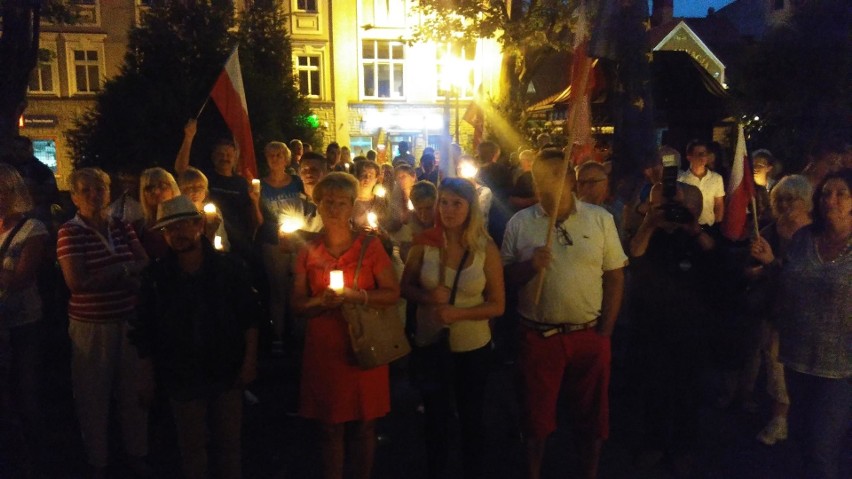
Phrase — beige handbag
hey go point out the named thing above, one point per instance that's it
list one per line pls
(377, 334)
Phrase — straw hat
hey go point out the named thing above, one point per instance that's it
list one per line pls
(175, 209)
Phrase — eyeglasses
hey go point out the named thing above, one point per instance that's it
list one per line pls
(563, 237)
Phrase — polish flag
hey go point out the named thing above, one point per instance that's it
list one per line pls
(230, 96)
(740, 192)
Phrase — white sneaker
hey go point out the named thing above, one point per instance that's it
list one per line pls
(775, 431)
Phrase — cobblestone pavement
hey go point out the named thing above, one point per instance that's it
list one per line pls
(280, 445)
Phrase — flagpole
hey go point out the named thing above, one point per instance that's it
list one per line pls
(566, 163)
(754, 214)
(202, 107)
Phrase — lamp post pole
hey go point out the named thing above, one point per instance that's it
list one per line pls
(445, 142)
(457, 92)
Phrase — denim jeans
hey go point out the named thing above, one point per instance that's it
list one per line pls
(820, 414)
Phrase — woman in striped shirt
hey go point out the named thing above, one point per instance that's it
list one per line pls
(101, 259)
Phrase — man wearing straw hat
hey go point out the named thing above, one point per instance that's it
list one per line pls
(566, 332)
(196, 328)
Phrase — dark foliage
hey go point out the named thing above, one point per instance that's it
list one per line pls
(171, 64)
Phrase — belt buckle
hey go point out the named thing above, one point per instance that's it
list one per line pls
(546, 333)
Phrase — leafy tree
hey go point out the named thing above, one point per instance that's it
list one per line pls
(796, 82)
(528, 31)
(172, 61)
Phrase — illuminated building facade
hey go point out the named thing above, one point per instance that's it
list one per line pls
(371, 87)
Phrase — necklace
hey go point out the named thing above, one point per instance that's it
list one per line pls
(831, 250)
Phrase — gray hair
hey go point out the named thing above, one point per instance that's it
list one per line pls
(95, 174)
(796, 186)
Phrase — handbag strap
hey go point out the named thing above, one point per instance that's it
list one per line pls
(458, 274)
(361, 257)
(11, 236)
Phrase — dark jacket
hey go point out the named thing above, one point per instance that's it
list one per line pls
(193, 325)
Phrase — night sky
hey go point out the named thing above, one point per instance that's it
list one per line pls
(694, 8)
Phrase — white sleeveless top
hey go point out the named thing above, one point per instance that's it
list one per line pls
(466, 335)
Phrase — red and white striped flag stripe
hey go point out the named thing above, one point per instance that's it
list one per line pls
(230, 96)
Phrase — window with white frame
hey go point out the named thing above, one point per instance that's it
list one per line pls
(308, 73)
(45, 76)
(382, 65)
(384, 13)
(306, 6)
(87, 11)
(455, 69)
(84, 62)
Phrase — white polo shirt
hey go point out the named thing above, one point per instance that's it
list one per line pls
(573, 284)
(712, 186)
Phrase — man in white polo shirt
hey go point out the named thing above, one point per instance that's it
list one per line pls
(567, 334)
(710, 183)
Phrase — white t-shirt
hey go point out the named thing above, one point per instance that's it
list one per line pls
(712, 186)
(573, 284)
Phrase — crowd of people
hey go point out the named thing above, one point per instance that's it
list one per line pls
(176, 280)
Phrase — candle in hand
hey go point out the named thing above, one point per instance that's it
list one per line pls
(210, 212)
(217, 243)
(291, 224)
(255, 184)
(410, 206)
(380, 191)
(372, 219)
(335, 280)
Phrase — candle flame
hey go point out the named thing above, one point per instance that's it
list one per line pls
(372, 219)
(217, 242)
(291, 224)
(210, 208)
(380, 191)
(335, 280)
(467, 170)
(410, 205)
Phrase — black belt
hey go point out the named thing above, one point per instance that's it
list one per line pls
(547, 330)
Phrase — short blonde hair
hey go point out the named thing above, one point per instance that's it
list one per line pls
(150, 177)
(276, 146)
(192, 174)
(336, 181)
(91, 173)
(19, 195)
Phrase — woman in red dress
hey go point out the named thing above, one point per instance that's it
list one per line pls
(334, 390)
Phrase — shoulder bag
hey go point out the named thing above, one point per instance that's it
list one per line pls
(10, 305)
(377, 334)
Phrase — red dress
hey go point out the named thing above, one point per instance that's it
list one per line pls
(333, 388)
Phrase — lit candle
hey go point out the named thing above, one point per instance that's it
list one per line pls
(467, 170)
(210, 212)
(380, 191)
(410, 206)
(372, 219)
(291, 224)
(255, 184)
(335, 280)
(217, 242)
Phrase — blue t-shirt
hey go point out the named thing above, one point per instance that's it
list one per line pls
(275, 202)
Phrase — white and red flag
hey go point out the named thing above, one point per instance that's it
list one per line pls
(230, 96)
(740, 192)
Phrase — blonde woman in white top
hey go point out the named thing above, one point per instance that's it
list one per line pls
(461, 364)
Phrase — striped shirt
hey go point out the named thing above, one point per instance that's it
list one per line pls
(76, 239)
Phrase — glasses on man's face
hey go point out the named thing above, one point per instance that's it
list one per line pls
(563, 237)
